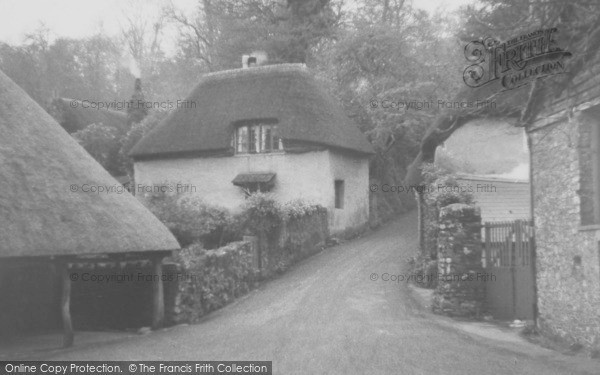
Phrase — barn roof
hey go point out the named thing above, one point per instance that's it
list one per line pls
(287, 93)
(40, 213)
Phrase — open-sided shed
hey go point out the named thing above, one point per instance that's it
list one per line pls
(48, 214)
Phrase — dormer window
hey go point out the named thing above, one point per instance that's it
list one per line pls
(257, 138)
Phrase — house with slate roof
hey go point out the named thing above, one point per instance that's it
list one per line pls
(266, 128)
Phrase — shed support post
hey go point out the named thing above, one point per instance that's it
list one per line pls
(65, 305)
(158, 303)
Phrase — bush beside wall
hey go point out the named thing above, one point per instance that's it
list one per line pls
(286, 232)
(207, 280)
(191, 220)
(440, 188)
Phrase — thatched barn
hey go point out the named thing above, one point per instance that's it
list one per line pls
(51, 220)
(270, 128)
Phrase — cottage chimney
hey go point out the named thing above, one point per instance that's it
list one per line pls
(136, 110)
(245, 59)
(254, 59)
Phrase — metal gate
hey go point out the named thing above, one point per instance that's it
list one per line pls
(508, 259)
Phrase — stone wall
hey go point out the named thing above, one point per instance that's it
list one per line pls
(567, 264)
(207, 280)
(459, 292)
(204, 280)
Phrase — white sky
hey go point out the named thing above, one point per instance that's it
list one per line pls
(81, 18)
(74, 18)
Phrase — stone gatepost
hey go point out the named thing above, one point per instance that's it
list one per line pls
(460, 291)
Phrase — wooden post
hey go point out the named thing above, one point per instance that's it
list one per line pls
(420, 227)
(65, 305)
(158, 303)
(488, 247)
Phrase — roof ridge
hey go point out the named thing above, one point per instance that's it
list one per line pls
(262, 69)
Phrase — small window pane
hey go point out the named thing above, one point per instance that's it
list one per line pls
(277, 144)
(242, 139)
(266, 139)
(254, 138)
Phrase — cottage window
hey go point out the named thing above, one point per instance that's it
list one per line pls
(257, 138)
(339, 193)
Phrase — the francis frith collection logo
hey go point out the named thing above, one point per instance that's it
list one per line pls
(516, 62)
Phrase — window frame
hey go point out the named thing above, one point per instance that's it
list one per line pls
(254, 141)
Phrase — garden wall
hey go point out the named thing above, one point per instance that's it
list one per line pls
(202, 280)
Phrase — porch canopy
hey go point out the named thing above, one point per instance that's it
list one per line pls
(244, 179)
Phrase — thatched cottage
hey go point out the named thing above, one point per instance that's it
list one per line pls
(266, 128)
(51, 219)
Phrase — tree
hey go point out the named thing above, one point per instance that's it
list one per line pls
(134, 135)
(102, 143)
(221, 32)
(391, 65)
(579, 29)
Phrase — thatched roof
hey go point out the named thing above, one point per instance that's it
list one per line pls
(39, 214)
(285, 92)
(74, 115)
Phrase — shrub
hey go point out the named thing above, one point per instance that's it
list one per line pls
(191, 220)
(102, 142)
(211, 279)
(297, 209)
(290, 231)
(424, 271)
(286, 231)
(135, 134)
(434, 199)
(261, 215)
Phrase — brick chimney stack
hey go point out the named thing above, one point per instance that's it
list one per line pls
(136, 111)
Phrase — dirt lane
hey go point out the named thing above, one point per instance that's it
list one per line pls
(326, 316)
